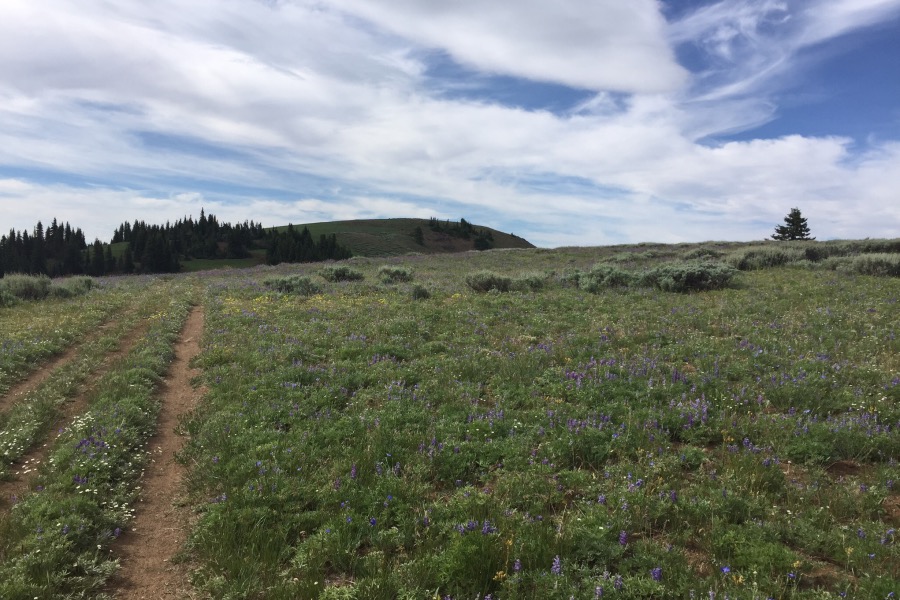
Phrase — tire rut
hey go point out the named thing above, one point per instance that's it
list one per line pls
(46, 369)
(160, 529)
(30, 462)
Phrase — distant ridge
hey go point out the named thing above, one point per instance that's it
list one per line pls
(393, 237)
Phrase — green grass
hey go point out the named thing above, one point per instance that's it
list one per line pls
(56, 541)
(33, 332)
(533, 439)
(394, 237)
(257, 257)
(357, 444)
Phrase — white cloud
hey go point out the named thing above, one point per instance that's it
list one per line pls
(162, 107)
(599, 45)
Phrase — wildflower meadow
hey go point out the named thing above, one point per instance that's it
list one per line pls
(508, 424)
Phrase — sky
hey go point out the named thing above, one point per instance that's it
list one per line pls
(569, 123)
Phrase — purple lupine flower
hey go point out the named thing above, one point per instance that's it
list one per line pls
(556, 569)
(372, 522)
(517, 566)
(656, 574)
(623, 538)
(353, 471)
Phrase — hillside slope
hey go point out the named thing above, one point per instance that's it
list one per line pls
(392, 237)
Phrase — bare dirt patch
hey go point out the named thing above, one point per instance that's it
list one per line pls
(844, 468)
(160, 528)
(892, 510)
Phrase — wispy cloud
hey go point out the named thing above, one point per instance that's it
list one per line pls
(308, 110)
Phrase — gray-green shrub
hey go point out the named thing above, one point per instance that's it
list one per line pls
(299, 285)
(341, 273)
(604, 276)
(879, 264)
(765, 258)
(26, 287)
(689, 276)
(391, 274)
(529, 282)
(485, 281)
(71, 286)
(7, 299)
(702, 253)
(420, 292)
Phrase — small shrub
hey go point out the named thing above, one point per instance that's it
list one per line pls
(485, 281)
(604, 276)
(7, 299)
(26, 287)
(72, 286)
(570, 278)
(690, 276)
(529, 282)
(765, 258)
(389, 274)
(879, 265)
(342, 273)
(299, 285)
(420, 292)
(702, 253)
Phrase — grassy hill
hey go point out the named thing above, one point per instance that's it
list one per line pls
(394, 237)
(372, 238)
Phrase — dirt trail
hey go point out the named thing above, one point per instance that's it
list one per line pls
(29, 462)
(159, 529)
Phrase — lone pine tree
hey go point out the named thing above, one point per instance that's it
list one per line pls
(794, 228)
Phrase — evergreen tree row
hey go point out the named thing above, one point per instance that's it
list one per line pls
(484, 239)
(187, 238)
(142, 248)
(58, 250)
(293, 246)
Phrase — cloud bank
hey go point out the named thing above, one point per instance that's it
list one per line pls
(303, 111)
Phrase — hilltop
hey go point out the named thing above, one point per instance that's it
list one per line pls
(393, 237)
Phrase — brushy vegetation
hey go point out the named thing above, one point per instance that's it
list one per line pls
(300, 285)
(70, 287)
(394, 274)
(16, 286)
(590, 440)
(603, 276)
(876, 264)
(689, 277)
(340, 273)
(26, 287)
(420, 292)
(486, 281)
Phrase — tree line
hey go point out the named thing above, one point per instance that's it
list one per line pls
(484, 239)
(139, 247)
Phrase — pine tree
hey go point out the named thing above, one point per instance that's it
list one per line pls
(794, 228)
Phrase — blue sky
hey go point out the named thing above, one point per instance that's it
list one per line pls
(574, 122)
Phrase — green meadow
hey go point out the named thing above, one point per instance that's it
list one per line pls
(652, 421)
